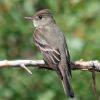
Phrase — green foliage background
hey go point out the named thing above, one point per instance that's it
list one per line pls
(78, 19)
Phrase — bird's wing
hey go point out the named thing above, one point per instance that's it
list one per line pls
(51, 54)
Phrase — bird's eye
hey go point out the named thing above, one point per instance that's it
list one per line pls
(40, 17)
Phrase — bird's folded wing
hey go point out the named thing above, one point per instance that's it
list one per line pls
(50, 54)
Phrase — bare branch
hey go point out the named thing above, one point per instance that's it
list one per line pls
(77, 65)
(86, 65)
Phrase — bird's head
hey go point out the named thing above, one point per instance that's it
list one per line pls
(42, 18)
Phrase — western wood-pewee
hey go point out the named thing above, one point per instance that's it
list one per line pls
(51, 42)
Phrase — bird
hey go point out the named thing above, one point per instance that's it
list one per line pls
(51, 42)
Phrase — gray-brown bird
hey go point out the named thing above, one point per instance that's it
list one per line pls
(51, 42)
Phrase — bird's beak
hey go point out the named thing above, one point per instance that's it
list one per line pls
(30, 18)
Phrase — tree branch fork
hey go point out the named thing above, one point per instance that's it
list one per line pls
(77, 65)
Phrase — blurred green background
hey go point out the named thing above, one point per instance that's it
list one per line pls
(78, 19)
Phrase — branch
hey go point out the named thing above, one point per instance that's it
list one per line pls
(77, 65)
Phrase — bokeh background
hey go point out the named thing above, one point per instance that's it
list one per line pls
(78, 19)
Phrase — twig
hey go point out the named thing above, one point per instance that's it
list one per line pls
(77, 65)
(23, 66)
(94, 83)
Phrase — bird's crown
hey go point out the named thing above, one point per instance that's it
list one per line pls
(44, 12)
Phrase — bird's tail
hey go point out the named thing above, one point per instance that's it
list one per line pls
(67, 87)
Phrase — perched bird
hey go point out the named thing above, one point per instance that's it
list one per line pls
(51, 42)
